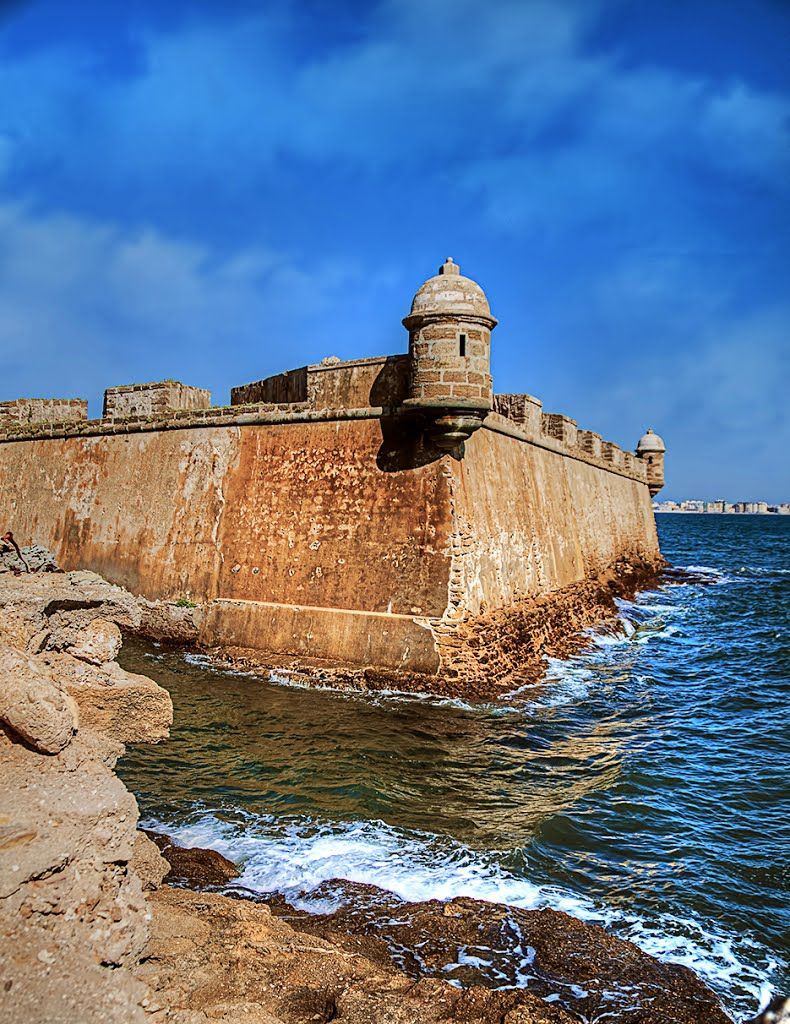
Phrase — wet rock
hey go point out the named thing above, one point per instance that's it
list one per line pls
(223, 958)
(584, 969)
(777, 1012)
(194, 866)
(33, 704)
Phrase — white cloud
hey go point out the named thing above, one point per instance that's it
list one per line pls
(511, 100)
(89, 305)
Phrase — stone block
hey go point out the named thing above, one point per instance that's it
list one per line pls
(589, 442)
(561, 428)
(155, 399)
(467, 391)
(522, 409)
(26, 412)
(611, 453)
(437, 332)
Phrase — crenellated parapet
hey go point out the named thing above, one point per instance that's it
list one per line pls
(561, 433)
(440, 392)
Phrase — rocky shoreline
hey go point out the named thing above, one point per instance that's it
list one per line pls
(89, 932)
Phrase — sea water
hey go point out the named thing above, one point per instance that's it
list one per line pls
(643, 786)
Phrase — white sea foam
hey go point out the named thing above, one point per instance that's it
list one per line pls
(709, 573)
(204, 661)
(763, 570)
(294, 856)
(297, 858)
(390, 696)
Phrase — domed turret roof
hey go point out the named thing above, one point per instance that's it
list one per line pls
(651, 442)
(449, 292)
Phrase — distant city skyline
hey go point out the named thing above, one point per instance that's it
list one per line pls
(215, 192)
(721, 505)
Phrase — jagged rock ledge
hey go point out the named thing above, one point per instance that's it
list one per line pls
(89, 934)
(505, 962)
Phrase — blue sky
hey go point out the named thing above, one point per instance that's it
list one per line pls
(218, 191)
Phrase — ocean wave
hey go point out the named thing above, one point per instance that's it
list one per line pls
(706, 574)
(295, 856)
(761, 570)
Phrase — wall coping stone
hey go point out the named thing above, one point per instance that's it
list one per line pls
(155, 385)
(343, 363)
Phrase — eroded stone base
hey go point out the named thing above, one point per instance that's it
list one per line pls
(494, 654)
(481, 658)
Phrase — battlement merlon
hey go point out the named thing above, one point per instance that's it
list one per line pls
(20, 412)
(378, 382)
(154, 399)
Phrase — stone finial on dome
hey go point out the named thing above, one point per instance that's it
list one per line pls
(650, 442)
(449, 267)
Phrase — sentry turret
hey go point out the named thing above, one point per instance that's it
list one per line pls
(650, 450)
(449, 327)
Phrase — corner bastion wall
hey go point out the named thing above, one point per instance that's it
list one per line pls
(329, 516)
(285, 524)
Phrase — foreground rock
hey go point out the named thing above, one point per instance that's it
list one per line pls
(229, 960)
(513, 965)
(88, 934)
(73, 918)
(33, 558)
(194, 867)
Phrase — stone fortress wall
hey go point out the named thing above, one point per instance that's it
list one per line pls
(343, 513)
(337, 390)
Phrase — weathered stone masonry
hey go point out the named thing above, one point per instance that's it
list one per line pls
(389, 513)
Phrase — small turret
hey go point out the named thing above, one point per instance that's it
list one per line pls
(650, 450)
(449, 327)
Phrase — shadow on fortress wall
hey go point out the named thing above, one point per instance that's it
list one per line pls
(403, 442)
